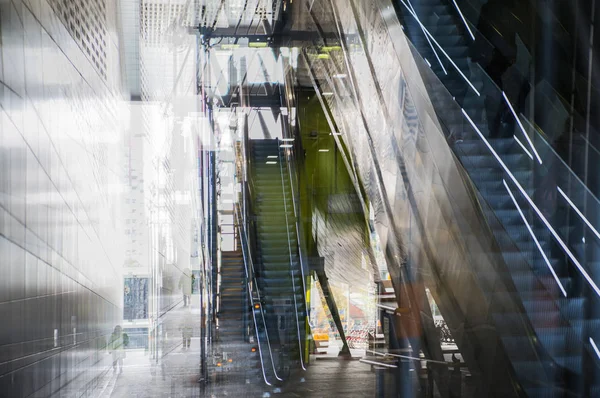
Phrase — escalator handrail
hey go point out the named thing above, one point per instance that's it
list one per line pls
(287, 230)
(301, 253)
(291, 163)
(249, 265)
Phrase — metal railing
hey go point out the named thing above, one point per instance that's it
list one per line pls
(252, 293)
(287, 230)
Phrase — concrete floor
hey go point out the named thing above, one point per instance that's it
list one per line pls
(332, 377)
(175, 376)
(141, 377)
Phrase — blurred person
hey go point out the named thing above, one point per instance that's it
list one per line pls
(185, 284)
(118, 342)
(187, 329)
(497, 25)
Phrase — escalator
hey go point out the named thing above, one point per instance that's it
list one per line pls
(440, 37)
(239, 357)
(501, 166)
(244, 342)
(279, 275)
(256, 325)
(514, 171)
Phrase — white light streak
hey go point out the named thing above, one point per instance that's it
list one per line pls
(521, 126)
(464, 20)
(593, 343)
(580, 214)
(377, 363)
(537, 243)
(523, 146)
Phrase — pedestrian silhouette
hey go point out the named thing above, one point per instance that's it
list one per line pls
(187, 329)
(117, 344)
(185, 284)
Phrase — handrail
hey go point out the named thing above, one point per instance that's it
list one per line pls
(260, 353)
(248, 261)
(294, 182)
(301, 252)
(287, 230)
(290, 159)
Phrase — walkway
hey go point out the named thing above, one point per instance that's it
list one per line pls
(325, 377)
(176, 374)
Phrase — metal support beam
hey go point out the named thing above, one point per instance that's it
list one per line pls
(324, 281)
(279, 40)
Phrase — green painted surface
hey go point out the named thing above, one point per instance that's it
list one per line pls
(324, 172)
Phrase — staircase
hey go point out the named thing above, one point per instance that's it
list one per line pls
(279, 275)
(235, 320)
(562, 324)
